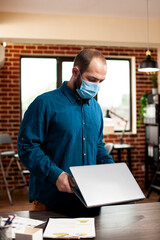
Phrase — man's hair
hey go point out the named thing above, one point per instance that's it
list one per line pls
(83, 59)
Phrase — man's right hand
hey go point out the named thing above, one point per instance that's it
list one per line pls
(65, 183)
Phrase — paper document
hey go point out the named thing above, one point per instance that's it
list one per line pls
(20, 223)
(70, 228)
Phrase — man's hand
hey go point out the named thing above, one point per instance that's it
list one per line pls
(64, 183)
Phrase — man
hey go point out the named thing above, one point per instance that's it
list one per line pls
(64, 128)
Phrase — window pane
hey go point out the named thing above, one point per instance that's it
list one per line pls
(66, 70)
(114, 92)
(38, 75)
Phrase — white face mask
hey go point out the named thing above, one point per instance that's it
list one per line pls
(88, 89)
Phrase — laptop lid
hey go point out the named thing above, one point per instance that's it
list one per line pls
(105, 184)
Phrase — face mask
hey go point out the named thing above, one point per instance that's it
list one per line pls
(88, 89)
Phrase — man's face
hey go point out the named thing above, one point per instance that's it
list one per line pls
(96, 71)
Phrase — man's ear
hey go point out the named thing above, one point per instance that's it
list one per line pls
(75, 71)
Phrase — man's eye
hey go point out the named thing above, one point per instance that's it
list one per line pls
(92, 80)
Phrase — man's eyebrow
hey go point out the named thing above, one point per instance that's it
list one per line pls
(95, 79)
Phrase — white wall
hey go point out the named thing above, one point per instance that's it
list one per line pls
(77, 30)
(54, 29)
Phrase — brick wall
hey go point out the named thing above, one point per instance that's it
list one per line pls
(10, 95)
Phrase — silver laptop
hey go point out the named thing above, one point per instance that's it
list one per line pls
(105, 184)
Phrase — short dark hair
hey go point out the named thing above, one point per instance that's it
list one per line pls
(83, 59)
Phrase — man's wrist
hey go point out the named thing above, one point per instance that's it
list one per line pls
(54, 174)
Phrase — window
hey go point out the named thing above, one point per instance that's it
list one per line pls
(66, 70)
(41, 74)
(38, 75)
(115, 92)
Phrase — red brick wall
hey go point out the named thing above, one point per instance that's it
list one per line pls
(10, 94)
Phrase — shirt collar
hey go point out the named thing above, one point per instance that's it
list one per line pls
(71, 95)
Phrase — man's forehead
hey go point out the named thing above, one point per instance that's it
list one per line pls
(98, 59)
(97, 64)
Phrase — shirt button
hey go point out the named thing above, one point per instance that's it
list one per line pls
(84, 139)
(83, 123)
(84, 154)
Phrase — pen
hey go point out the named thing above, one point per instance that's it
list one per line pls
(7, 221)
(12, 219)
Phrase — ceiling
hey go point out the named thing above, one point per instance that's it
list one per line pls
(100, 8)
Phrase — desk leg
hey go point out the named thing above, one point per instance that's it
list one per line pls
(119, 155)
(129, 158)
(146, 167)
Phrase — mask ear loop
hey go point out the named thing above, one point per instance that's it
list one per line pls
(80, 75)
(78, 85)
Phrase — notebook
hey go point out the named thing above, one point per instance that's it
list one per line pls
(105, 184)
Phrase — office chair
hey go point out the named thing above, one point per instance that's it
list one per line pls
(5, 139)
(109, 147)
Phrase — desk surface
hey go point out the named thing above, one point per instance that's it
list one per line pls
(119, 147)
(123, 146)
(120, 222)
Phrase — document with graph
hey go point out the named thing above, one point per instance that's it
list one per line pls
(70, 228)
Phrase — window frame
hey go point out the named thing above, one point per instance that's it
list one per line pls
(61, 59)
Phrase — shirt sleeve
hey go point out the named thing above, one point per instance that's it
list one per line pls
(102, 156)
(30, 144)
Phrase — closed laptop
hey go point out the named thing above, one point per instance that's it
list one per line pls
(105, 184)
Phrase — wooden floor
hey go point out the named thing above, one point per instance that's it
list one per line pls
(21, 203)
(19, 198)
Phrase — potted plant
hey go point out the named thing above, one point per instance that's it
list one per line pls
(154, 82)
(142, 109)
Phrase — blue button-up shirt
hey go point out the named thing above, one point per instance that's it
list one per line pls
(59, 130)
